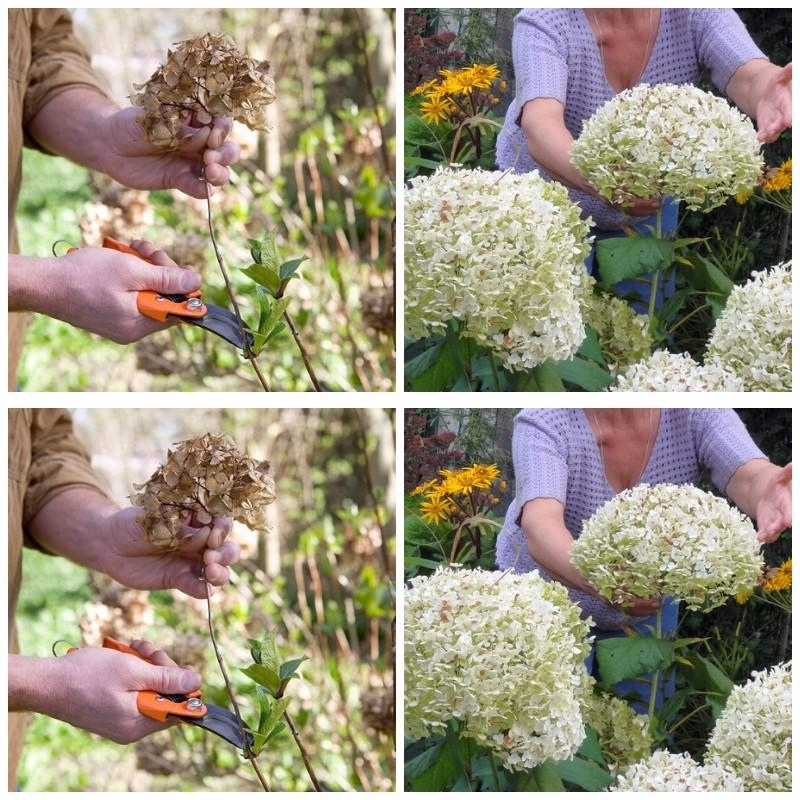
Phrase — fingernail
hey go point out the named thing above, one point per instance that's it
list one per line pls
(190, 681)
(190, 281)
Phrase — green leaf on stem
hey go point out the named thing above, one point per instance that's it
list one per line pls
(264, 676)
(705, 676)
(590, 747)
(288, 268)
(269, 252)
(621, 257)
(547, 777)
(255, 250)
(590, 347)
(264, 276)
(289, 668)
(420, 764)
(255, 650)
(622, 657)
(587, 374)
(586, 774)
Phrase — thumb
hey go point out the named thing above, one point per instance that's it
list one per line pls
(169, 280)
(170, 680)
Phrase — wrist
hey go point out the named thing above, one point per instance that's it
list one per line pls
(34, 683)
(31, 282)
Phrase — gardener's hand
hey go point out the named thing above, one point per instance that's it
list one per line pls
(95, 688)
(640, 206)
(774, 107)
(774, 507)
(128, 156)
(640, 606)
(95, 288)
(133, 561)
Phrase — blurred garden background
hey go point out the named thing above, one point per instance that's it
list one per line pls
(473, 446)
(322, 180)
(322, 579)
(458, 83)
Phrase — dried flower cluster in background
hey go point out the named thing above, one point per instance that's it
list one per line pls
(204, 77)
(209, 477)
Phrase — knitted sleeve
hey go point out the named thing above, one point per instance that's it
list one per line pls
(539, 51)
(722, 43)
(722, 443)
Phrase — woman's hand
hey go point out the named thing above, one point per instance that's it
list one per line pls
(96, 688)
(133, 561)
(640, 606)
(774, 106)
(774, 507)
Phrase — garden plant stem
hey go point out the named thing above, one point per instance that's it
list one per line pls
(656, 673)
(247, 752)
(303, 753)
(495, 776)
(303, 354)
(247, 351)
(654, 281)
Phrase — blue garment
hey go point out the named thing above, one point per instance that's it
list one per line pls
(641, 287)
(641, 686)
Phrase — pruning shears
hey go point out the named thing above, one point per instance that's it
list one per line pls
(188, 708)
(188, 308)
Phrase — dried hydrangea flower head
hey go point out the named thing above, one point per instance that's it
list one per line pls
(209, 477)
(669, 140)
(668, 540)
(753, 734)
(206, 77)
(753, 335)
(502, 254)
(676, 372)
(676, 772)
(501, 653)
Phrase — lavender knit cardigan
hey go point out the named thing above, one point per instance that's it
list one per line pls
(555, 55)
(556, 455)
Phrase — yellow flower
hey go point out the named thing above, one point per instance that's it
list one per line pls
(483, 75)
(435, 109)
(424, 87)
(424, 487)
(743, 596)
(434, 510)
(780, 578)
(743, 196)
(483, 475)
(780, 178)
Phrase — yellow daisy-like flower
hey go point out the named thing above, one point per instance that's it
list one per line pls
(435, 510)
(435, 109)
(457, 483)
(424, 87)
(424, 487)
(743, 196)
(779, 179)
(780, 579)
(483, 75)
(484, 475)
(743, 596)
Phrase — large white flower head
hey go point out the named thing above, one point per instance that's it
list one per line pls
(652, 141)
(753, 734)
(502, 653)
(501, 253)
(672, 772)
(676, 372)
(753, 334)
(624, 735)
(667, 539)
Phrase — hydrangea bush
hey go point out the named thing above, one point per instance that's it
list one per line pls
(668, 540)
(662, 140)
(753, 735)
(624, 735)
(673, 772)
(501, 653)
(676, 372)
(502, 254)
(753, 335)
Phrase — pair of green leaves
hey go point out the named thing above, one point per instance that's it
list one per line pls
(272, 677)
(272, 277)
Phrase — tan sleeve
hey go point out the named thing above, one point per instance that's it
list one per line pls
(59, 462)
(58, 62)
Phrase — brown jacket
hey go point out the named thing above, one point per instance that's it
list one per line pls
(44, 460)
(44, 59)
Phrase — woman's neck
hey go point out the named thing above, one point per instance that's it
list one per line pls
(618, 417)
(619, 17)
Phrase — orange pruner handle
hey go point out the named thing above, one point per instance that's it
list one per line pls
(157, 706)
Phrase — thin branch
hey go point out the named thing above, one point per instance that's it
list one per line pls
(309, 369)
(247, 751)
(247, 351)
(303, 753)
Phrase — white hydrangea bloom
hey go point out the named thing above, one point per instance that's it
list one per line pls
(673, 772)
(501, 253)
(676, 372)
(753, 334)
(624, 735)
(502, 653)
(753, 734)
(652, 141)
(663, 540)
